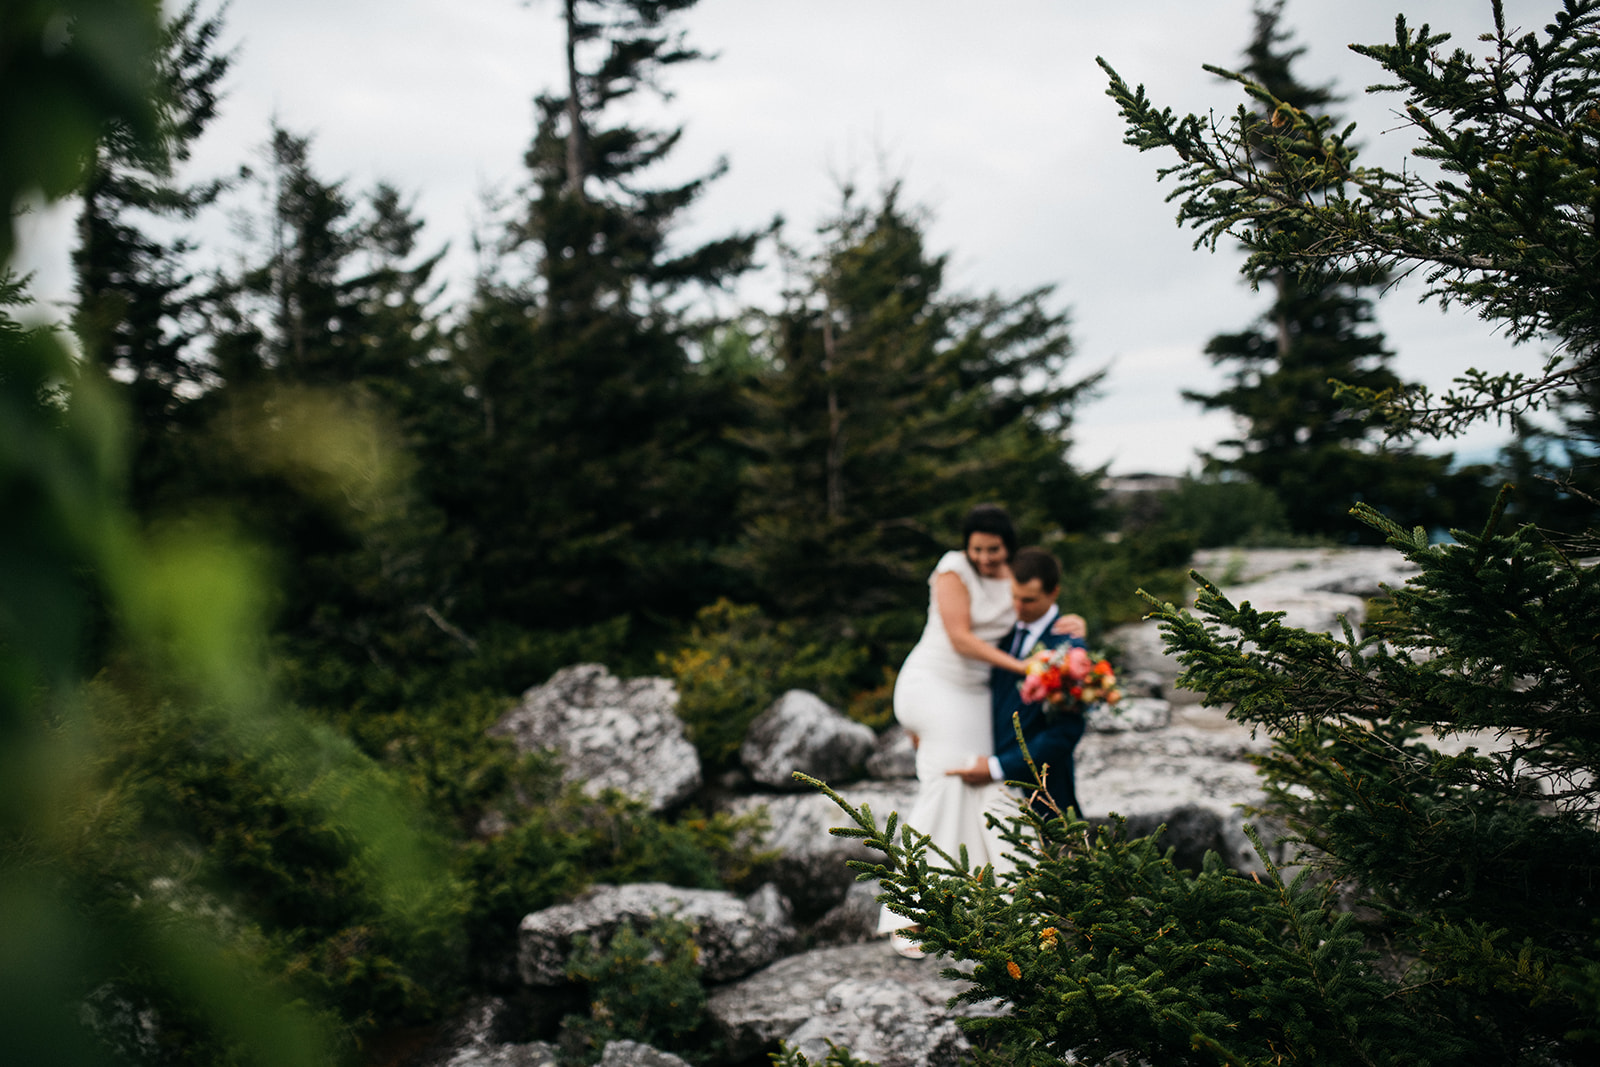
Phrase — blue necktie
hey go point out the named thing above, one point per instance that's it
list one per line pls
(1019, 634)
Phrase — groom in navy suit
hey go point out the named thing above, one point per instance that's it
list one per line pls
(1051, 738)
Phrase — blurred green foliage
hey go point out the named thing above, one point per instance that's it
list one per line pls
(560, 846)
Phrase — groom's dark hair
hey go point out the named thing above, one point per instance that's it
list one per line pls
(990, 519)
(1034, 562)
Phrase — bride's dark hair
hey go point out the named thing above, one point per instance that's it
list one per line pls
(989, 519)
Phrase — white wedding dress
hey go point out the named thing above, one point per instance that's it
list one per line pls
(943, 698)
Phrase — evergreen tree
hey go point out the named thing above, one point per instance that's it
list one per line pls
(135, 314)
(1314, 452)
(330, 367)
(82, 949)
(587, 492)
(889, 408)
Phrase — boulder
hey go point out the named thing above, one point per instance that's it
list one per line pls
(892, 755)
(1189, 831)
(883, 1021)
(734, 936)
(633, 1054)
(851, 921)
(1239, 852)
(799, 732)
(810, 864)
(609, 733)
(882, 1007)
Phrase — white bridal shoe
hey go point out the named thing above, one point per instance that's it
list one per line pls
(906, 947)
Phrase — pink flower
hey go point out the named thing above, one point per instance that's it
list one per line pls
(1077, 666)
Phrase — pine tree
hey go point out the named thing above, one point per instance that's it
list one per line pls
(1315, 453)
(135, 314)
(587, 492)
(328, 365)
(890, 407)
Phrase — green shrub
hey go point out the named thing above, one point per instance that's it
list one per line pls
(641, 987)
(1223, 514)
(561, 847)
(735, 662)
(173, 814)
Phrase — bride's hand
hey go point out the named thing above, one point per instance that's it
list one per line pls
(1071, 626)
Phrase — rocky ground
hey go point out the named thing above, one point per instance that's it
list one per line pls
(798, 961)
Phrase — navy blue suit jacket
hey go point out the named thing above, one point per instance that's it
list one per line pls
(1050, 741)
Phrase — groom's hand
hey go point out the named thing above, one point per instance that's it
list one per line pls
(975, 773)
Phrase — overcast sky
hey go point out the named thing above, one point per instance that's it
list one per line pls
(992, 114)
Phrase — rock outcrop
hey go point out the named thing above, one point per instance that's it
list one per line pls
(883, 1008)
(633, 1054)
(799, 732)
(609, 733)
(734, 936)
(1315, 588)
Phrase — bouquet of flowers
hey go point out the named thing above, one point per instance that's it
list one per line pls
(1069, 680)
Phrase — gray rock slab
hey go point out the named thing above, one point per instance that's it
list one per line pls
(734, 936)
(609, 733)
(800, 732)
(883, 1021)
(1131, 714)
(634, 1054)
(1359, 572)
(810, 868)
(1315, 588)
(1143, 773)
(892, 1010)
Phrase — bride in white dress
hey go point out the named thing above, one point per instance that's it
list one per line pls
(942, 694)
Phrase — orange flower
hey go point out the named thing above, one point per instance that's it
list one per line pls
(1047, 937)
(1012, 969)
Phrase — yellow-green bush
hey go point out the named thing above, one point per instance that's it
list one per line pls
(736, 661)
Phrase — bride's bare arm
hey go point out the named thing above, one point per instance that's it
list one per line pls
(955, 611)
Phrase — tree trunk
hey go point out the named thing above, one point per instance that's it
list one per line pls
(575, 173)
(835, 456)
